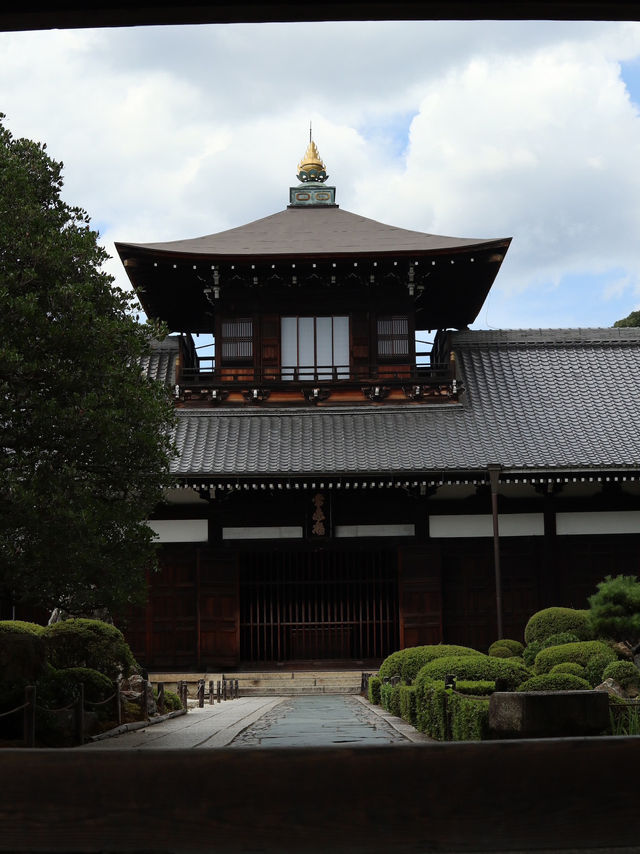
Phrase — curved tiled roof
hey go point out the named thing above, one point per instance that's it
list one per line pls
(311, 231)
(534, 400)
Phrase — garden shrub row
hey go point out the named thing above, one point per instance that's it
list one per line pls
(446, 714)
(580, 653)
(407, 663)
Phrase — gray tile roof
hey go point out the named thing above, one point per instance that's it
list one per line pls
(534, 400)
(160, 364)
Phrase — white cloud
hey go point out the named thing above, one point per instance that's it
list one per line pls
(520, 129)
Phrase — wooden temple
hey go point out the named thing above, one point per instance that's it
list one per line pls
(359, 472)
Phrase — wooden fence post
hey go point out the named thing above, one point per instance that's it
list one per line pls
(78, 716)
(29, 724)
(200, 693)
(237, 689)
(211, 692)
(218, 692)
(118, 703)
(224, 689)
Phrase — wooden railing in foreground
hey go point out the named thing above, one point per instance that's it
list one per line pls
(543, 795)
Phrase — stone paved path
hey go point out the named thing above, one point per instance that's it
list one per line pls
(320, 720)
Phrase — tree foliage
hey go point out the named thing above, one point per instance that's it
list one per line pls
(615, 609)
(632, 319)
(84, 437)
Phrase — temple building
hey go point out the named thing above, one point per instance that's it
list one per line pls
(358, 471)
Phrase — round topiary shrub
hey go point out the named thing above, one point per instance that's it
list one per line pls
(552, 621)
(581, 652)
(477, 668)
(391, 666)
(559, 639)
(555, 682)
(89, 643)
(514, 647)
(624, 673)
(571, 667)
(22, 652)
(413, 659)
(406, 663)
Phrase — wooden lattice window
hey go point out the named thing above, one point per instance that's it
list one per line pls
(393, 337)
(237, 340)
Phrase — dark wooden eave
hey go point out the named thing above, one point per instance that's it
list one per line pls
(266, 263)
(37, 14)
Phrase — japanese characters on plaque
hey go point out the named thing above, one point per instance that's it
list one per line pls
(320, 524)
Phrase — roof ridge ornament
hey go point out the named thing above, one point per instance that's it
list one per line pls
(311, 167)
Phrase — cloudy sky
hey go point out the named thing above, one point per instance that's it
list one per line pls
(474, 129)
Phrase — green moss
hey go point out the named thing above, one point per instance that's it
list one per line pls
(530, 652)
(559, 639)
(555, 682)
(581, 653)
(552, 621)
(374, 690)
(478, 667)
(595, 667)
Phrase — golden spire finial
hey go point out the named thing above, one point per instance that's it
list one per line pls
(311, 167)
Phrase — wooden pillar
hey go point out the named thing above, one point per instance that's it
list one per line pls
(494, 477)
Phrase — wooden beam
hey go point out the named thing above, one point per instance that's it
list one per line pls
(539, 795)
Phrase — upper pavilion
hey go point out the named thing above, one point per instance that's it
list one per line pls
(313, 294)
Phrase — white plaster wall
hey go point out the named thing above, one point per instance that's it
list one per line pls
(266, 532)
(606, 522)
(375, 530)
(180, 530)
(481, 525)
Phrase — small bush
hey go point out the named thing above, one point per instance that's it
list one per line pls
(624, 673)
(514, 647)
(172, 702)
(571, 667)
(580, 652)
(469, 718)
(530, 652)
(385, 695)
(477, 667)
(59, 688)
(408, 704)
(595, 667)
(22, 651)
(555, 682)
(374, 690)
(552, 621)
(89, 643)
(559, 639)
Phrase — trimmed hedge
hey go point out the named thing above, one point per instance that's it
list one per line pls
(82, 642)
(390, 698)
(444, 714)
(581, 652)
(513, 647)
(555, 682)
(408, 710)
(595, 667)
(475, 688)
(624, 673)
(374, 690)
(552, 621)
(407, 663)
(477, 667)
(469, 717)
(530, 652)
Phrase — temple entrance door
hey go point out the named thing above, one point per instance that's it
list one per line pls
(217, 610)
(304, 605)
(420, 597)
